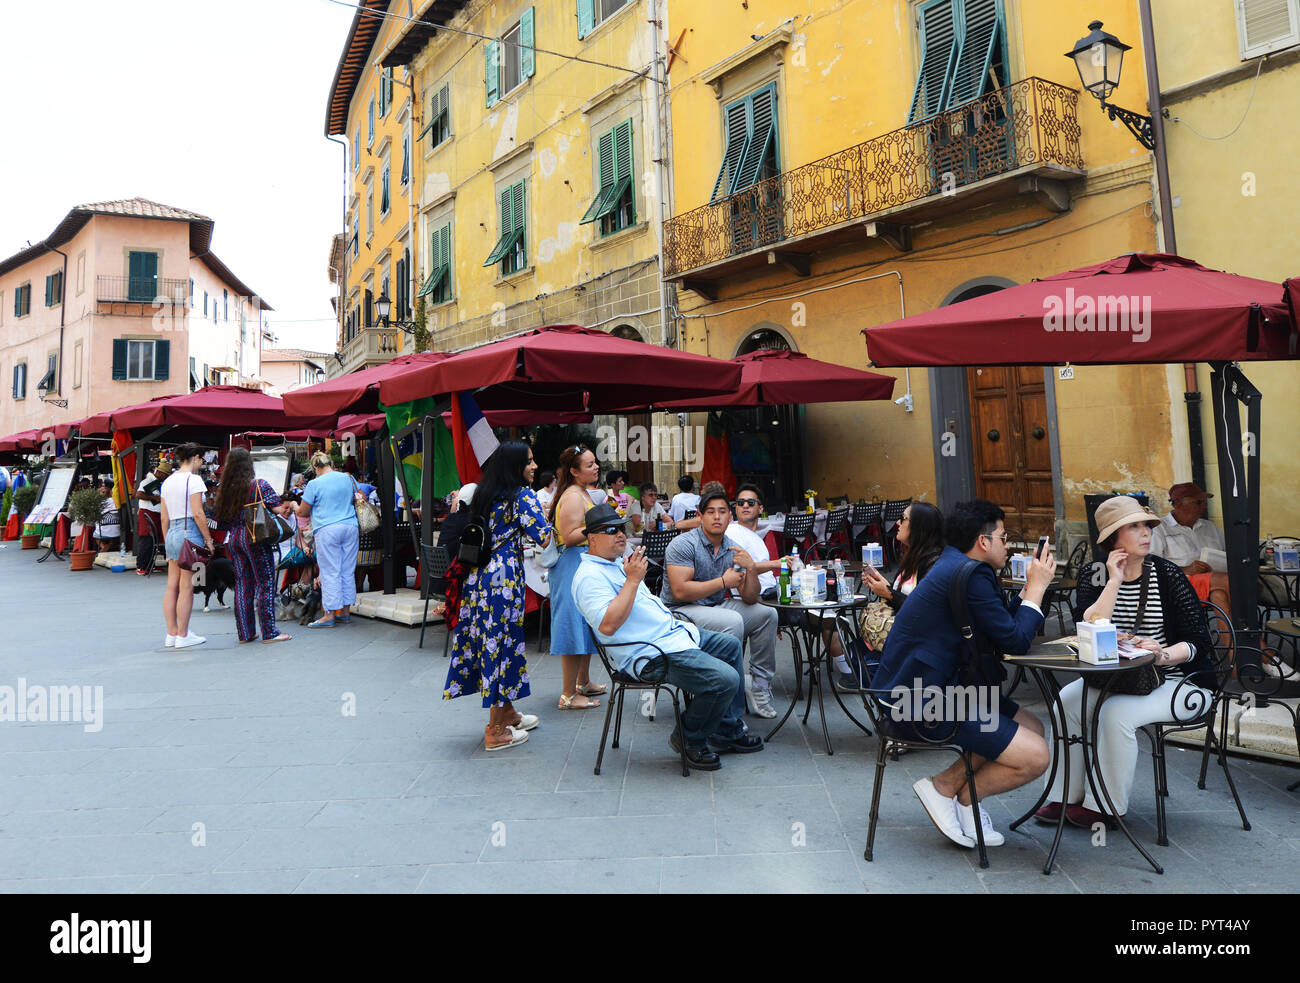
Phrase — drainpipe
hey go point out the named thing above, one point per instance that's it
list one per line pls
(343, 274)
(1169, 242)
(658, 103)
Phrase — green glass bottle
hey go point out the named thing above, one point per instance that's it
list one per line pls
(783, 584)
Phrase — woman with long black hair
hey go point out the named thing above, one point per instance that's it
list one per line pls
(254, 563)
(487, 644)
(920, 533)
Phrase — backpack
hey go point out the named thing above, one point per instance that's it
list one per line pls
(977, 667)
(476, 541)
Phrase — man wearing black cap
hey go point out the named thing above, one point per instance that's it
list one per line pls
(708, 665)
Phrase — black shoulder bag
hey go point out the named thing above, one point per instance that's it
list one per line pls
(476, 545)
(1136, 682)
(977, 667)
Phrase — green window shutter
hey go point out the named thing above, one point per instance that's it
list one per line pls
(142, 268)
(586, 17)
(492, 57)
(737, 121)
(444, 242)
(49, 290)
(383, 190)
(18, 302)
(119, 358)
(938, 27)
(608, 178)
(623, 150)
(520, 224)
(406, 159)
(762, 128)
(162, 351)
(527, 56)
(980, 32)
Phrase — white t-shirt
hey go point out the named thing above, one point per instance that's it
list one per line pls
(1181, 545)
(545, 497)
(647, 521)
(176, 490)
(681, 502)
(752, 543)
(150, 486)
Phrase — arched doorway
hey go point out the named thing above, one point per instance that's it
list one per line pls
(628, 332)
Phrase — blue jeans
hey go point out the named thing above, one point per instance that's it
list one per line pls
(712, 675)
(179, 530)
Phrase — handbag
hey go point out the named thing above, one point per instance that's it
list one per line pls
(264, 527)
(476, 547)
(367, 514)
(547, 556)
(874, 622)
(191, 555)
(1135, 682)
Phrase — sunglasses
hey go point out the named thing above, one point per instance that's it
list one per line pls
(607, 530)
(747, 501)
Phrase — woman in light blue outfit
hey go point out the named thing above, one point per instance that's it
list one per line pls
(329, 501)
(579, 473)
(183, 518)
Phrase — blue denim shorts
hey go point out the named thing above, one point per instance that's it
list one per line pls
(178, 531)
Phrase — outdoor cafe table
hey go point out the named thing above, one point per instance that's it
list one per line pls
(1290, 579)
(811, 629)
(1285, 626)
(1042, 661)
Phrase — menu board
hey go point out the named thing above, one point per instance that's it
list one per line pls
(272, 465)
(54, 493)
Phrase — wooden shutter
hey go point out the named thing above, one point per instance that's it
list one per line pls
(1264, 26)
(399, 289)
(406, 159)
(938, 29)
(586, 17)
(527, 56)
(492, 71)
(49, 290)
(370, 300)
(980, 36)
(762, 128)
(162, 352)
(444, 251)
(520, 225)
(607, 178)
(623, 150)
(737, 124)
(15, 385)
(119, 358)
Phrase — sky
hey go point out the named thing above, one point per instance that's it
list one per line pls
(218, 108)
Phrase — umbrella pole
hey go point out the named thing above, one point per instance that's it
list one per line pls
(1239, 488)
(388, 512)
(426, 491)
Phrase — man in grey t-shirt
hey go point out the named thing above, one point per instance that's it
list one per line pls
(700, 566)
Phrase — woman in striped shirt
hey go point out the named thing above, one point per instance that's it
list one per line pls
(1171, 624)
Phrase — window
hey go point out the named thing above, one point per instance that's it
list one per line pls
(615, 205)
(20, 380)
(140, 360)
(54, 289)
(191, 293)
(385, 92)
(205, 303)
(385, 290)
(370, 131)
(356, 236)
(383, 190)
(356, 149)
(960, 46)
(142, 276)
(370, 215)
(751, 153)
(1264, 26)
(511, 59)
(48, 382)
(81, 271)
(406, 159)
(439, 125)
(76, 364)
(593, 12)
(437, 285)
(225, 305)
(512, 248)
(23, 300)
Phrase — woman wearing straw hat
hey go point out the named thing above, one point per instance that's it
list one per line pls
(1150, 599)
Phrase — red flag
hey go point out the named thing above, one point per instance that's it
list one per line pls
(717, 455)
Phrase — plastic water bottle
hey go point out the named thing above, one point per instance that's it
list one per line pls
(841, 578)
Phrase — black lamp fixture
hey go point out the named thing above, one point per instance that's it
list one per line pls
(43, 391)
(1099, 57)
(384, 307)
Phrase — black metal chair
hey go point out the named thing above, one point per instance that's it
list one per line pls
(620, 682)
(798, 527)
(655, 543)
(1060, 596)
(689, 514)
(1191, 698)
(433, 585)
(884, 712)
(894, 509)
(837, 522)
(869, 517)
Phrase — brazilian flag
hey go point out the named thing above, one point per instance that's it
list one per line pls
(445, 478)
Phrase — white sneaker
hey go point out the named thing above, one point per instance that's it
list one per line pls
(760, 703)
(169, 641)
(967, 817)
(185, 641)
(942, 811)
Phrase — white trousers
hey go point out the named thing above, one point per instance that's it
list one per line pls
(1116, 738)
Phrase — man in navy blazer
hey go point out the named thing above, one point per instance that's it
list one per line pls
(925, 653)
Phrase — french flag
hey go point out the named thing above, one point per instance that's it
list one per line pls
(472, 437)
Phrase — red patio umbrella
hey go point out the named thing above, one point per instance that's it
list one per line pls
(1138, 308)
(356, 392)
(64, 430)
(25, 440)
(771, 377)
(226, 408)
(566, 368)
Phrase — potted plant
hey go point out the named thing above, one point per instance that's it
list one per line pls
(87, 507)
(24, 500)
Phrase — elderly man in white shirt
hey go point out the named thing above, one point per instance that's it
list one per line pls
(1184, 533)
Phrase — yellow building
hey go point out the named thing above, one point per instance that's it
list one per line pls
(373, 111)
(871, 159)
(1229, 75)
(539, 171)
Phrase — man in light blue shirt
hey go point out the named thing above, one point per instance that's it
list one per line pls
(628, 618)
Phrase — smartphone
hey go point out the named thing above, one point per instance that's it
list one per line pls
(1041, 551)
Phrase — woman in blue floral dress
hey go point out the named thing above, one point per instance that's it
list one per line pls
(487, 644)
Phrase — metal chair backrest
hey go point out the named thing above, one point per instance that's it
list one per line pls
(1078, 556)
(836, 520)
(436, 563)
(656, 543)
(894, 508)
(868, 513)
(690, 514)
(799, 525)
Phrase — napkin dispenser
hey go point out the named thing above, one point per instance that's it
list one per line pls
(1098, 643)
(1286, 558)
(873, 554)
(1020, 566)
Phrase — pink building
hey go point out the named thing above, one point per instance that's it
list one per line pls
(287, 369)
(122, 302)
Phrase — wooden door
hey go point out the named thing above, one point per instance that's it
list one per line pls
(639, 472)
(1012, 450)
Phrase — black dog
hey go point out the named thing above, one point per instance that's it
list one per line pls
(218, 575)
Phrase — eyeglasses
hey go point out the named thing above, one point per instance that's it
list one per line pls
(743, 502)
(608, 530)
(994, 539)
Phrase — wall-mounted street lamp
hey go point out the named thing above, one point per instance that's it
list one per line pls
(1099, 57)
(384, 307)
(43, 389)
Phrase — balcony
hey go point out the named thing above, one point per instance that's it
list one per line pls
(1023, 138)
(141, 290)
(370, 346)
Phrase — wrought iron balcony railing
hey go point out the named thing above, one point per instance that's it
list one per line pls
(142, 290)
(1030, 122)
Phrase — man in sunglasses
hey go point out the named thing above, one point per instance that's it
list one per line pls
(614, 601)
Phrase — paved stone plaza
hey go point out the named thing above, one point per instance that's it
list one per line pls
(293, 795)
